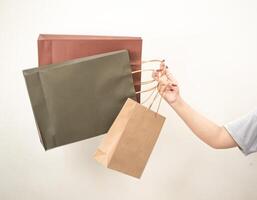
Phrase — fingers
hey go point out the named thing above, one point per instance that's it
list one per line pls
(162, 88)
(171, 77)
(155, 75)
(162, 68)
(164, 79)
(164, 75)
(173, 87)
(159, 72)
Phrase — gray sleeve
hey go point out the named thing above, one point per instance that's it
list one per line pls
(244, 132)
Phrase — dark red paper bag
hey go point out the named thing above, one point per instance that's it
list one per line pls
(59, 48)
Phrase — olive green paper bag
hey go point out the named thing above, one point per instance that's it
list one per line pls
(80, 98)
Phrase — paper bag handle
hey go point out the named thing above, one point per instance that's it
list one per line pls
(146, 61)
(145, 70)
(153, 89)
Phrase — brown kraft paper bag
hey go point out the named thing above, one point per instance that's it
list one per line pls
(129, 142)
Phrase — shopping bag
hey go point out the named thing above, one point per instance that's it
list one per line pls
(59, 48)
(130, 140)
(79, 99)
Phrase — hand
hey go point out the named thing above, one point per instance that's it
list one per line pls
(167, 87)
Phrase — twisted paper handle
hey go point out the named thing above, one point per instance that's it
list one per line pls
(153, 89)
(145, 70)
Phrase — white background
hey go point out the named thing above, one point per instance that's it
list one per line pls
(211, 48)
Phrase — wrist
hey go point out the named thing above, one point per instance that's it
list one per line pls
(177, 103)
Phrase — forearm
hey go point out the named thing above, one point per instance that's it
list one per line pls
(209, 132)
